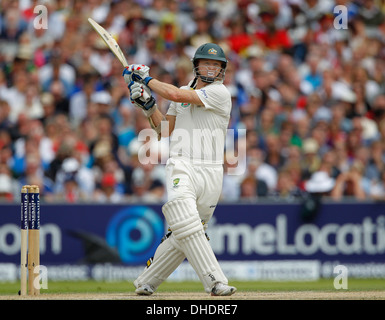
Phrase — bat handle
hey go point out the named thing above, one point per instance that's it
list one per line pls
(146, 96)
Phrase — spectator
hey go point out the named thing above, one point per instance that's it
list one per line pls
(103, 100)
(71, 193)
(231, 182)
(302, 130)
(311, 160)
(239, 39)
(16, 95)
(13, 24)
(350, 184)
(63, 151)
(376, 161)
(79, 101)
(5, 123)
(377, 189)
(34, 174)
(110, 166)
(74, 179)
(59, 95)
(257, 166)
(339, 123)
(106, 141)
(40, 41)
(58, 73)
(286, 187)
(298, 30)
(329, 164)
(252, 188)
(202, 22)
(125, 129)
(34, 140)
(141, 182)
(156, 193)
(371, 15)
(5, 139)
(6, 188)
(33, 105)
(274, 156)
(48, 106)
(295, 171)
(270, 36)
(285, 138)
(309, 96)
(100, 59)
(314, 75)
(107, 191)
(6, 157)
(8, 185)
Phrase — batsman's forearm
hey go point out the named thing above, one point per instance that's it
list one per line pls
(166, 90)
(157, 122)
(157, 117)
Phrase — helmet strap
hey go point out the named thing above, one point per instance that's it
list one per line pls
(194, 83)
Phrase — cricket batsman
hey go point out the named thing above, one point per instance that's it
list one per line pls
(200, 113)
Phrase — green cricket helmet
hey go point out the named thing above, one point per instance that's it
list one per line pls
(213, 52)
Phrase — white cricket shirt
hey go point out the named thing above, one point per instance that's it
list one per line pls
(199, 133)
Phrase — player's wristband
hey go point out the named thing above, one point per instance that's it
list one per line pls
(147, 80)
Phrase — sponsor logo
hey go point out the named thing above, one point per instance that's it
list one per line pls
(204, 92)
(135, 232)
(175, 182)
(332, 239)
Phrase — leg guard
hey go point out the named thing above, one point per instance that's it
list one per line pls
(166, 259)
(186, 226)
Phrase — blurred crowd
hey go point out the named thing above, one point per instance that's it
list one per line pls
(307, 85)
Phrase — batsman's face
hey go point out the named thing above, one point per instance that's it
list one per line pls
(209, 68)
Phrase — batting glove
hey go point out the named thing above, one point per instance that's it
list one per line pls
(127, 75)
(140, 73)
(140, 96)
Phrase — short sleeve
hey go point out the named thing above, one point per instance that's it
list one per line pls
(172, 109)
(216, 97)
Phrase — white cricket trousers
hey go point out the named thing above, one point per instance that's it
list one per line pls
(193, 193)
(200, 182)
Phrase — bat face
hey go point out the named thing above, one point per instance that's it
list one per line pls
(110, 41)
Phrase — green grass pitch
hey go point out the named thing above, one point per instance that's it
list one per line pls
(67, 287)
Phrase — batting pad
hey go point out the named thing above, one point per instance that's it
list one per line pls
(187, 230)
(166, 259)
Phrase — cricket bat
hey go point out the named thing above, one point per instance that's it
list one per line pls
(113, 45)
(110, 41)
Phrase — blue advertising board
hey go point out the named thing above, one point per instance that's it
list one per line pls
(129, 234)
(69, 233)
(345, 232)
